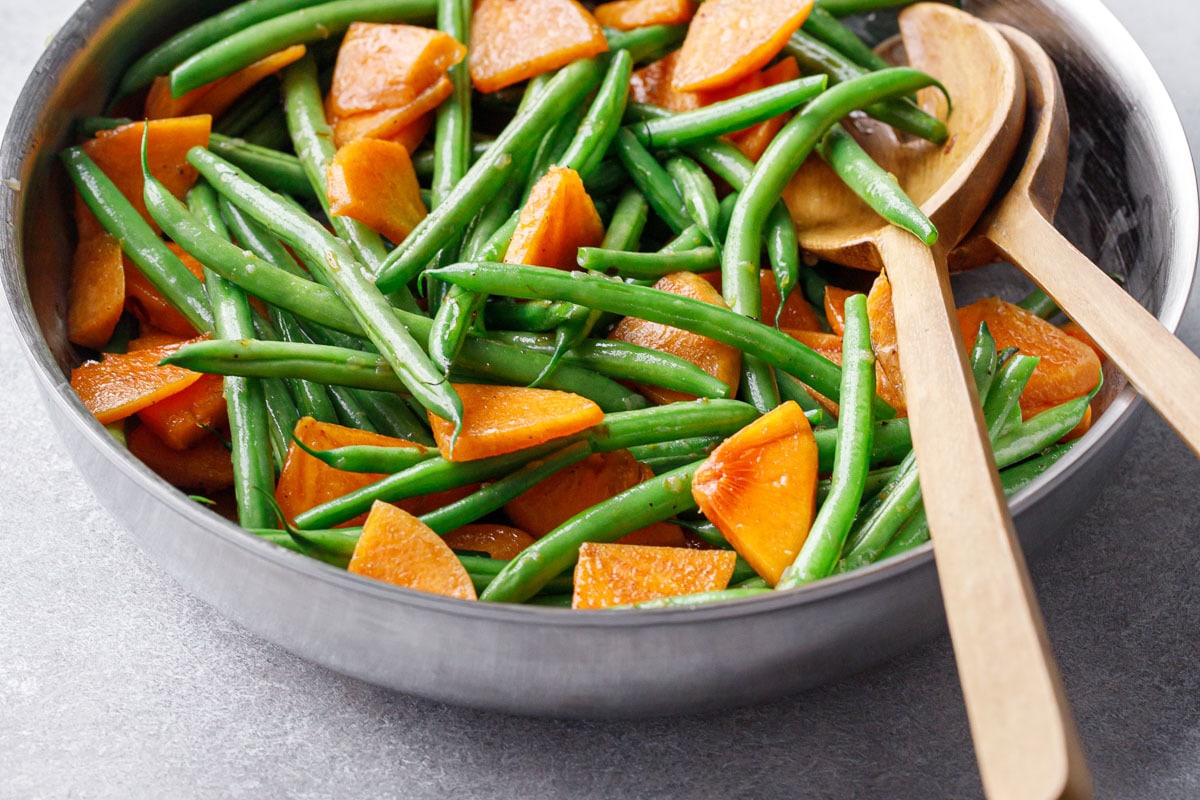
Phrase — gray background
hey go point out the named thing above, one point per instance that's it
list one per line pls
(115, 683)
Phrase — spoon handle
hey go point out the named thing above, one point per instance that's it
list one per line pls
(1158, 365)
(1025, 738)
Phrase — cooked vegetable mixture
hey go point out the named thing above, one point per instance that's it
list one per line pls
(471, 297)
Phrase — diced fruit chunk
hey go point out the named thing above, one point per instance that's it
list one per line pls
(398, 548)
(97, 291)
(625, 15)
(121, 384)
(514, 41)
(214, 98)
(373, 181)
(729, 39)
(719, 360)
(498, 541)
(759, 488)
(504, 419)
(618, 574)
(555, 222)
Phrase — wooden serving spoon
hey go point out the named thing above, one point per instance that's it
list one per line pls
(1020, 229)
(1025, 738)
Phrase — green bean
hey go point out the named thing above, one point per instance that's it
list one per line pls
(773, 347)
(652, 180)
(628, 221)
(246, 44)
(692, 449)
(648, 266)
(915, 531)
(391, 416)
(536, 316)
(783, 249)
(212, 29)
(311, 399)
(595, 134)
(493, 496)
(876, 480)
(487, 175)
(815, 56)
(846, 8)
(698, 599)
(793, 390)
(726, 116)
(279, 171)
(248, 110)
(650, 501)
(699, 195)
(347, 276)
(366, 458)
(1039, 303)
(647, 43)
(145, 248)
(270, 131)
(826, 28)
(553, 145)
(354, 369)
(874, 185)
(423, 161)
(282, 417)
(253, 468)
(1001, 409)
(827, 535)
(608, 178)
(350, 412)
(452, 133)
(692, 237)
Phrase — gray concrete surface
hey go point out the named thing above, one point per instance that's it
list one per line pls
(114, 683)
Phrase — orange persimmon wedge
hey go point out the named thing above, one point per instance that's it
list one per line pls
(96, 296)
(306, 481)
(557, 219)
(889, 380)
(514, 41)
(759, 488)
(1076, 331)
(216, 97)
(625, 15)
(504, 419)
(719, 360)
(729, 39)
(1067, 368)
(205, 467)
(398, 548)
(383, 66)
(835, 308)
(498, 541)
(392, 123)
(121, 384)
(597, 478)
(183, 419)
(373, 181)
(118, 153)
(618, 574)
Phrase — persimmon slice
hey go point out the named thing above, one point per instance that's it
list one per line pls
(121, 384)
(797, 313)
(618, 574)
(753, 141)
(729, 39)
(577, 488)
(759, 488)
(306, 481)
(1067, 368)
(373, 181)
(392, 123)
(387, 66)
(118, 154)
(184, 418)
(96, 296)
(889, 380)
(504, 419)
(214, 98)
(498, 541)
(205, 467)
(514, 41)
(555, 222)
(719, 360)
(625, 15)
(835, 308)
(398, 548)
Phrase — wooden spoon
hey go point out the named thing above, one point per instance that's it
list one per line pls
(1019, 229)
(1025, 738)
